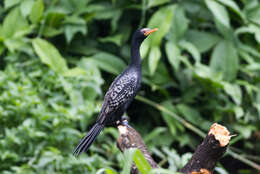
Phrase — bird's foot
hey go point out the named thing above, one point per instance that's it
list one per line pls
(123, 121)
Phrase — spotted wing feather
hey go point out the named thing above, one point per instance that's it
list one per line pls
(119, 93)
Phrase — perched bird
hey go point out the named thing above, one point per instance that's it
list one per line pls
(120, 94)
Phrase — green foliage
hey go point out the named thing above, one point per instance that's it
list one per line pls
(57, 58)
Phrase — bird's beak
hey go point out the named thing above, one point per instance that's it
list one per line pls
(149, 31)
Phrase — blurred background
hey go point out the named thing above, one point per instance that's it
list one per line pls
(58, 58)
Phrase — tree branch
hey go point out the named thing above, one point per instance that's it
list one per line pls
(203, 160)
(209, 151)
(130, 138)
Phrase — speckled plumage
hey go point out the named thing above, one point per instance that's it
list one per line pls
(120, 94)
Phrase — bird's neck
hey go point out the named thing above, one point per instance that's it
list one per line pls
(135, 54)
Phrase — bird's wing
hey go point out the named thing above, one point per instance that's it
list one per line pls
(121, 90)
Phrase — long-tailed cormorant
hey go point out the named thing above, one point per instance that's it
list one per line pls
(120, 94)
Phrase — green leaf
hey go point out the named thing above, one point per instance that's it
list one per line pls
(203, 41)
(10, 3)
(190, 114)
(110, 171)
(116, 39)
(179, 24)
(139, 159)
(55, 18)
(232, 5)
(74, 25)
(74, 72)
(2, 48)
(141, 163)
(225, 60)
(191, 49)
(128, 159)
(154, 3)
(219, 12)
(14, 44)
(14, 23)
(233, 91)
(251, 28)
(173, 54)
(173, 125)
(253, 14)
(108, 62)
(50, 55)
(162, 20)
(37, 11)
(155, 133)
(154, 57)
(26, 7)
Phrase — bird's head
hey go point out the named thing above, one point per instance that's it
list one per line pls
(141, 34)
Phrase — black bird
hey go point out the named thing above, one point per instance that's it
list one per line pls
(120, 94)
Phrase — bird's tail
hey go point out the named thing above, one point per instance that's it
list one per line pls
(88, 139)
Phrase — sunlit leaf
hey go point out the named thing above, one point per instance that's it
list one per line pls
(234, 91)
(74, 25)
(154, 57)
(10, 3)
(232, 4)
(219, 12)
(108, 62)
(202, 40)
(50, 55)
(179, 24)
(225, 60)
(26, 7)
(161, 20)
(191, 49)
(37, 11)
(173, 54)
(14, 23)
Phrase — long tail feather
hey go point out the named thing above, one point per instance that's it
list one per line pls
(88, 139)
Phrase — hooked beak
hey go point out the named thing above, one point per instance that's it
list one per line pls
(149, 31)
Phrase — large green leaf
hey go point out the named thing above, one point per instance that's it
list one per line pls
(161, 20)
(253, 14)
(173, 54)
(225, 60)
(219, 12)
(153, 3)
(232, 4)
(141, 163)
(14, 24)
(154, 57)
(50, 55)
(108, 62)
(139, 160)
(191, 49)
(37, 11)
(10, 3)
(234, 91)
(26, 7)
(250, 29)
(202, 40)
(179, 24)
(74, 25)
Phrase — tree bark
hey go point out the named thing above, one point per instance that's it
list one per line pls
(130, 138)
(208, 152)
(203, 160)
